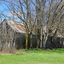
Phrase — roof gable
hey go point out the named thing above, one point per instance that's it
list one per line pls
(16, 26)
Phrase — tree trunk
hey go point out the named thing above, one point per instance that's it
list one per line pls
(45, 40)
(41, 39)
(27, 40)
(2, 46)
(30, 40)
(12, 48)
(38, 41)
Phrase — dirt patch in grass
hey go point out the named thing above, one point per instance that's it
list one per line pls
(2, 53)
(16, 52)
(21, 52)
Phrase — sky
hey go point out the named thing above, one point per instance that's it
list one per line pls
(5, 11)
(3, 8)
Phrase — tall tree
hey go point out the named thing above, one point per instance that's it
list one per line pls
(39, 16)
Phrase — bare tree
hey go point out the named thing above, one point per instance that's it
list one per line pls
(39, 16)
(49, 13)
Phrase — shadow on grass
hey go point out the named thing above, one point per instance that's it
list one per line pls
(59, 50)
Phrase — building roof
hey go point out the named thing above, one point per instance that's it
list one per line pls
(16, 26)
(57, 34)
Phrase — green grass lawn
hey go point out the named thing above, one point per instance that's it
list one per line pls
(34, 57)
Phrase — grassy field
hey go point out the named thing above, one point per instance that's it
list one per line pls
(34, 57)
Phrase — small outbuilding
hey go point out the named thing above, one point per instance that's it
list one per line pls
(12, 34)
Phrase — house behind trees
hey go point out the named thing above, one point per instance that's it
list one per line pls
(12, 34)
